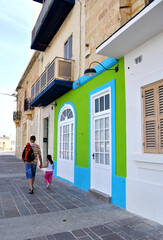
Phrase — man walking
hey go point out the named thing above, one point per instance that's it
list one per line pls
(30, 167)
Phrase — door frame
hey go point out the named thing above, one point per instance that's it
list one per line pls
(106, 113)
(65, 106)
(111, 85)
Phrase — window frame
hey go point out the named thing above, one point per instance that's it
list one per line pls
(68, 48)
(156, 117)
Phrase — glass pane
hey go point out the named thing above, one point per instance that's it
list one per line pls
(107, 122)
(107, 103)
(67, 146)
(102, 147)
(72, 127)
(106, 135)
(102, 122)
(107, 160)
(96, 105)
(68, 111)
(71, 147)
(63, 154)
(97, 147)
(101, 104)
(72, 137)
(62, 118)
(65, 113)
(97, 124)
(106, 146)
(70, 115)
(97, 135)
(71, 156)
(102, 158)
(65, 50)
(70, 47)
(97, 157)
(64, 129)
(102, 135)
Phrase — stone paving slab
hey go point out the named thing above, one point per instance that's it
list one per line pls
(62, 212)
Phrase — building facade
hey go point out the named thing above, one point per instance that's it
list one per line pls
(94, 125)
(143, 87)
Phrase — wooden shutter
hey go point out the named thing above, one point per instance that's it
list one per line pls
(160, 115)
(150, 120)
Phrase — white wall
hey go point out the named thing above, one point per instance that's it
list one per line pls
(47, 112)
(144, 185)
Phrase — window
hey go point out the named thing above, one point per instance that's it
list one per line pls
(68, 48)
(153, 117)
(66, 135)
(102, 103)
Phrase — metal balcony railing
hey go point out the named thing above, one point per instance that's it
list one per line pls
(44, 10)
(27, 106)
(59, 68)
(17, 115)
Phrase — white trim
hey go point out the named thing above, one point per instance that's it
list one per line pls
(93, 116)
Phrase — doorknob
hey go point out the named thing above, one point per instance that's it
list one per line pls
(93, 155)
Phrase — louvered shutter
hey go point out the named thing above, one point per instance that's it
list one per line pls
(150, 119)
(160, 115)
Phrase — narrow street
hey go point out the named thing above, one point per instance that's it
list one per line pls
(62, 212)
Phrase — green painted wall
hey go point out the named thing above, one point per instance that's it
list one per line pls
(80, 99)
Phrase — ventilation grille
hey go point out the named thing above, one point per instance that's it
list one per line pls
(149, 103)
(160, 90)
(150, 134)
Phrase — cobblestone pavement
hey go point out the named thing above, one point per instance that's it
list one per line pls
(62, 212)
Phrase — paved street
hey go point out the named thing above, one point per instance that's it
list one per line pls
(62, 212)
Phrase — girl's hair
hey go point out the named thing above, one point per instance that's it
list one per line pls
(49, 157)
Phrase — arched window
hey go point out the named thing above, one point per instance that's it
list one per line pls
(66, 134)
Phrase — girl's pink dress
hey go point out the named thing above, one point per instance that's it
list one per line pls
(49, 173)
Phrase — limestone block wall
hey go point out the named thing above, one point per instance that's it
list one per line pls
(103, 18)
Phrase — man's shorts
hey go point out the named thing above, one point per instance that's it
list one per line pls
(30, 170)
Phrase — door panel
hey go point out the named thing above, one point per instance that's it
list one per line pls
(65, 168)
(101, 143)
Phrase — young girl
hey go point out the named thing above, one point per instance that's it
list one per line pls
(49, 170)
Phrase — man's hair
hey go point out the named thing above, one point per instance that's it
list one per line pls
(33, 138)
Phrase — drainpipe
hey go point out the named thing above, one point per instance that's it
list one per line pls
(80, 40)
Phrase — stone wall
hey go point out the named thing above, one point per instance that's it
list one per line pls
(103, 18)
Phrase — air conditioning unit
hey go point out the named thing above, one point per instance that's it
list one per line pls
(64, 69)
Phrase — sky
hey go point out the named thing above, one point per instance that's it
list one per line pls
(17, 19)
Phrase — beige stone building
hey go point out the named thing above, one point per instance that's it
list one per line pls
(74, 34)
(6, 144)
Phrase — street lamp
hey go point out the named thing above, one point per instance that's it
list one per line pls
(92, 72)
(14, 94)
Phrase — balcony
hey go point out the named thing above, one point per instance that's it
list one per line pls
(28, 110)
(51, 17)
(55, 81)
(17, 118)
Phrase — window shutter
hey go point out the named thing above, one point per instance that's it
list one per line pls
(160, 115)
(150, 120)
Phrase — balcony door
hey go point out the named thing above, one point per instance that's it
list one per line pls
(65, 165)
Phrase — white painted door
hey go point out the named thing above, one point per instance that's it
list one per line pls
(65, 166)
(101, 142)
